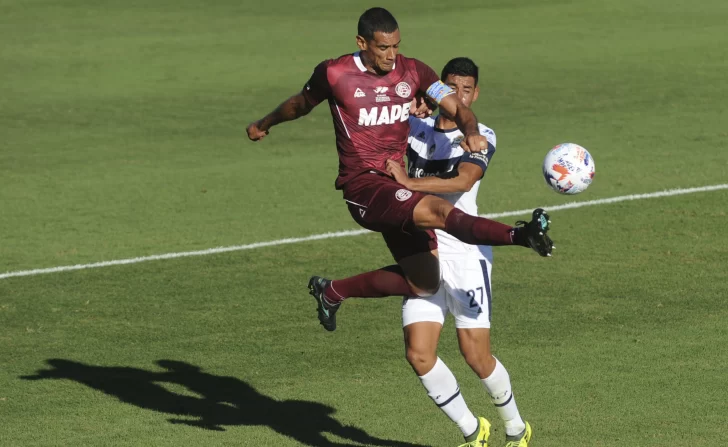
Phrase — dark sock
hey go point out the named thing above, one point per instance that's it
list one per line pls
(481, 231)
(387, 281)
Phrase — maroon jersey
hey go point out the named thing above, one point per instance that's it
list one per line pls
(370, 111)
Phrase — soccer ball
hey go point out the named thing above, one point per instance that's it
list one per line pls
(568, 168)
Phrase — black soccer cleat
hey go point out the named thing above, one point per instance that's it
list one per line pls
(326, 312)
(534, 232)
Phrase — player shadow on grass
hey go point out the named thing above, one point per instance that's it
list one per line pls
(221, 401)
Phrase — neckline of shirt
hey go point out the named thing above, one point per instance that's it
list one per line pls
(360, 64)
(436, 129)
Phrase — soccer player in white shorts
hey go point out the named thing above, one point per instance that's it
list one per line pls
(437, 164)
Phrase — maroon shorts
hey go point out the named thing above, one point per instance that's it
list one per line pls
(378, 203)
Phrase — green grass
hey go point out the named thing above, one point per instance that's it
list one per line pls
(122, 135)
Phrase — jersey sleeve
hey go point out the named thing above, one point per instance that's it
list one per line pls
(430, 83)
(480, 158)
(318, 88)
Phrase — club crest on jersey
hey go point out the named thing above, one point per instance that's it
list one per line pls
(403, 194)
(358, 93)
(456, 142)
(403, 90)
(377, 116)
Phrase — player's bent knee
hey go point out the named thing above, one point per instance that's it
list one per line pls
(482, 362)
(422, 362)
(475, 348)
(475, 358)
(431, 212)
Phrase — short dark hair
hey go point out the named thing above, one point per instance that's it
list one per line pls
(460, 66)
(376, 19)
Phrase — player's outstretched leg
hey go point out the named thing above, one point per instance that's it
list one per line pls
(534, 232)
(434, 212)
(326, 309)
(387, 281)
(481, 231)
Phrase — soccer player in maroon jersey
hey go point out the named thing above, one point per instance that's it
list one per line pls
(369, 94)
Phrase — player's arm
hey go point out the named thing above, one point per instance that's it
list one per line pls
(452, 108)
(421, 106)
(292, 108)
(468, 175)
(316, 90)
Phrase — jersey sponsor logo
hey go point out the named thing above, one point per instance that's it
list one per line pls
(419, 166)
(382, 94)
(438, 91)
(403, 194)
(403, 90)
(358, 93)
(377, 116)
(421, 172)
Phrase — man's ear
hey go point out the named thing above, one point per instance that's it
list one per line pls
(361, 43)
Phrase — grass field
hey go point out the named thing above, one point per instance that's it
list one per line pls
(122, 135)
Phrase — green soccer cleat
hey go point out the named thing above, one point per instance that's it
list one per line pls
(522, 439)
(326, 311)
(481, 435)
(535, 232)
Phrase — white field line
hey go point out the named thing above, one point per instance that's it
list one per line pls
(316, 237)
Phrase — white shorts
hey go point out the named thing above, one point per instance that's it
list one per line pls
(464, 292)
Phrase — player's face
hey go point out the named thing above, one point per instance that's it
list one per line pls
(464, 87)
(379, 53)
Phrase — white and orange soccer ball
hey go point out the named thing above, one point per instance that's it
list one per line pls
(568, 168)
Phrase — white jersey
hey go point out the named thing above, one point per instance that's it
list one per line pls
(437, 152)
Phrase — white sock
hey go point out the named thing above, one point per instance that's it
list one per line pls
(498, 385)
(442, 388)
